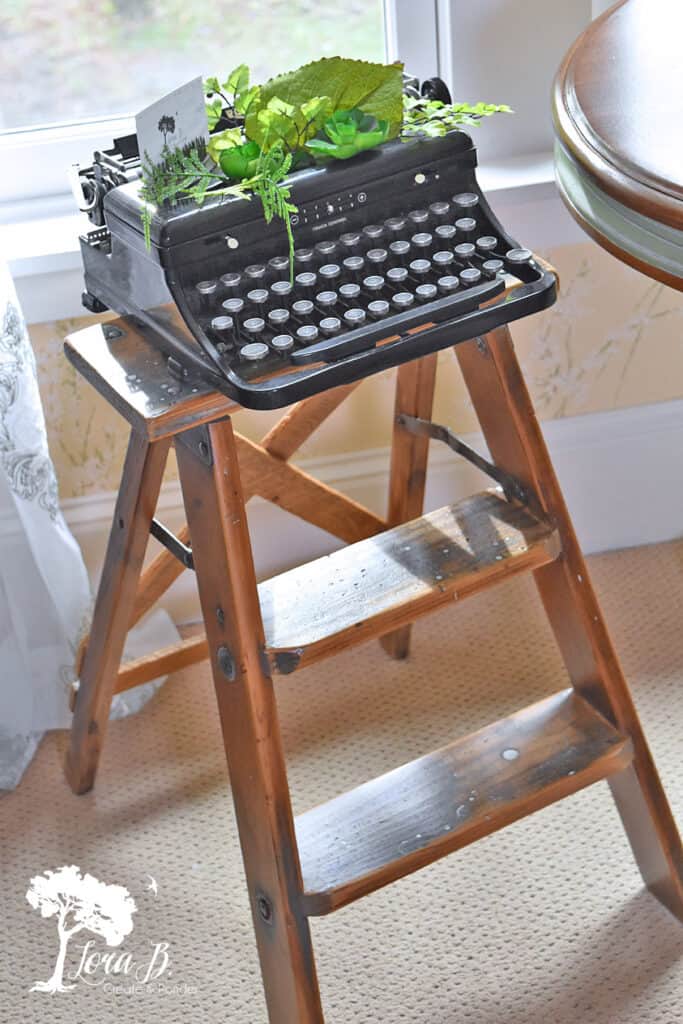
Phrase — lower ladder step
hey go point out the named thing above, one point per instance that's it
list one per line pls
(388, 580)
(399, 822)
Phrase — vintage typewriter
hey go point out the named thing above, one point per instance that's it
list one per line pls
(398, 255)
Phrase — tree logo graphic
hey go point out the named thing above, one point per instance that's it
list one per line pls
(79, 901)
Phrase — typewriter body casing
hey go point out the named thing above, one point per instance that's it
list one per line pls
(157, 286)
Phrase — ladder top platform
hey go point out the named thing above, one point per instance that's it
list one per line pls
(132, 374)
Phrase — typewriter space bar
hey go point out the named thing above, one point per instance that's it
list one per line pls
(332, 349)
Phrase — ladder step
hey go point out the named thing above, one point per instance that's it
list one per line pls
(389, 580)
(387, 828)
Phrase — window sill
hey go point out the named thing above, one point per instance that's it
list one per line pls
(39, 239)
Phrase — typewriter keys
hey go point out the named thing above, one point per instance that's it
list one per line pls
(395, 225)
(373, 232)
(349, 292)
(278, 265)
(378, 308)
(281, 289)
(445, 232)
(426, 292)
(350, 240)
(326, 300)
(325, 249)
(420, 268)
(487, 243)
(518, 256)
(396, 275)
(418, 217)
(492, 267)
(278, 317)
(464, 251)
(254, 325)
(465, 226)
(448, 284)
(439, 209)
(400, 249)
(470, 276)
(282, 342)
(422, 240)
(254, 351)
(256, 272)
(373, 284)
(223, 327)
(231, 282)
(442, 260)
(377, 256)
(233, 306)
(330, 272)
(206, 291)
(302, 308)
(403, 300)
(306, 281)
(303, 258)
(258, 297)
(466, 200)
(330, 325)
(354, 317)
(353, 265)
(307, 333)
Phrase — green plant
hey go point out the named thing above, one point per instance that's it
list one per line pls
(432, 118)
(349, 132)
(233, 98)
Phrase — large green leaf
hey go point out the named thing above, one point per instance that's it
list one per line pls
(373, 88)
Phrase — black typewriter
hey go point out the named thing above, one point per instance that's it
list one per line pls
(398, 255)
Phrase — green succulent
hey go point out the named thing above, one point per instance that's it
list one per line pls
(349, 132)
(240, 162)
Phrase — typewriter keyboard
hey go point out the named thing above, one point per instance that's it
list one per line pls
(357, 289)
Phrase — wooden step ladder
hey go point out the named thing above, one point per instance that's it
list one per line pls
(390, 574)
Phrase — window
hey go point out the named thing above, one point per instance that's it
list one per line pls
(72, 73)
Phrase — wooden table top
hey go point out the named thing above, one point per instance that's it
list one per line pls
(618, 110)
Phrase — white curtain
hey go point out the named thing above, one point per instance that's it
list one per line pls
(45, 597)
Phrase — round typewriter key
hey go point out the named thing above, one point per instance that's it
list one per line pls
(282, 342)
(373, 232)
(306, 282)
(422, 240)
(396, 275)
(307, 333)
(223, 326)
(281, 289)
(354, 317)
(302, 308)
(465, 200)
(279, 264)
(349, 292)
(254, 351)
(378, 308)
(206, 287)
(231, 282)
(278, 317)
(403, 300)
(420, 267)
(399, 249)
(439, 209)
(350, 240)
(326, 300)
(258, 296)
(465, 225)
(426, 292)
(325, 249)
(303, 257)
(448, 284)
(233, 306)
(377, 256)
(445, 232)
(395, 225)
(487, 243)
(330, 272)
(418, 216)
(472, 275)
(464, 251)
(374, 283)
(519, 255)
(254, 325)
(256, 272)
(353, 265)
(492, 267)
(330, 325)
(442, 260)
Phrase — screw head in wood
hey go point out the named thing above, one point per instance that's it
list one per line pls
(226, 663)
(265, 908)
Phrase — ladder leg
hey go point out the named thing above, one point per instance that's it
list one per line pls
(409, 453)
(210, 479)
(507, 418)
(142, 474)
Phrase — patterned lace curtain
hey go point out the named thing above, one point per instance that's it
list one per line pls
(45, 597)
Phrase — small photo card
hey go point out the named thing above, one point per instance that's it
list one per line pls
(176, 120)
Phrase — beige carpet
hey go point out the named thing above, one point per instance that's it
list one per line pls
(544, 923)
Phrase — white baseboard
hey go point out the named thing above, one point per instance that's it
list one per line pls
(621, 473)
